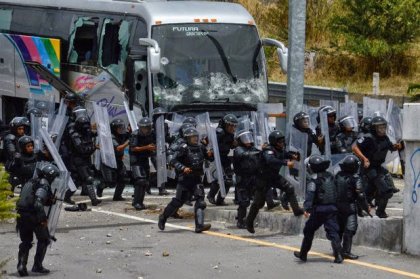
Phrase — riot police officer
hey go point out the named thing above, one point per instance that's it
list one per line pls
(19, 126)
(226, 141)
(346, 137)
(188, 161)
(321, 207)
(372, 148)
(24, 162)
(82, 146)
(112, 176)
(349, 194)
(273, 157)
(246, 164)
(333, 127)
(142, 147)
(365, 125)
(301, 122)
(36, 194)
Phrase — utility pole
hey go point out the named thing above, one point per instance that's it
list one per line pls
(296, 60)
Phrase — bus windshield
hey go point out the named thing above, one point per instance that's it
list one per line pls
(208, 63)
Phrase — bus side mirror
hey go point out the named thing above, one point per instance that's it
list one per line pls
(282, 52)
(153, 54)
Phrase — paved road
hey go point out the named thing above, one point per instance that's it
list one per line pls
(114, 241)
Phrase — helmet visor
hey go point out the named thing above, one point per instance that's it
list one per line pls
(246, 138)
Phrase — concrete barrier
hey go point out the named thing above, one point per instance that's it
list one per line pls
(411, 213)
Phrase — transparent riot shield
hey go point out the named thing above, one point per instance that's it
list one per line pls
(131, 117)
(244, 124)
(297, 142)
(58, 188)
(336, 160)
(36, 124)
(325, 132)
(332, 103)
(313, 114)
(205, 129)
(56, 156)
(394, 118)
(162, 171)
(260, 129)
(373, 107)
(45, 105)
(175, 124)
(62, 109)
(349, 109)
(58, 127)
(105, 136)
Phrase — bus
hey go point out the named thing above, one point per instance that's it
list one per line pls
(182, 56)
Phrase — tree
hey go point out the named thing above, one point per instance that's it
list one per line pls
(380, 31)
(7, 204)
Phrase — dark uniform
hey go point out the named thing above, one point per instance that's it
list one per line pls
(116, 176)
(226, 142)
(333, 127)
(346, 137)
(19, 126)
(301, 123)
(82, 146)
(273, 157)
(188, 161)
(24, 162)
(246, 164)
(36, 194)
(144, 140)
(321, 204)
(349, 194)
(377, 180)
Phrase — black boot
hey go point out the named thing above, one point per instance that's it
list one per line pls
(380, 210)
(23, 260)
(163, 192)
(162, 222)
(199, 221)
(272, 205)
(347, 243)
(220, 201)
(100, 189)
(297, 210)
(214, 187)
(252, 214)
(139, 192)
(85, 191)
(241, 216)
(304, 249)
(338, 251)
(118, 192)
(92, 195)
(41, 250)
(67, 197)
(284, 201)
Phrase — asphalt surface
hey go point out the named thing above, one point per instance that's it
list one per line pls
(115, 241)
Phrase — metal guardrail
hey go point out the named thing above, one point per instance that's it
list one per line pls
(277, 91)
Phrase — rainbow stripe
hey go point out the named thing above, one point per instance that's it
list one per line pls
(42, 50)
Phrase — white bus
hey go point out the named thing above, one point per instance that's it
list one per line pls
(184, 56)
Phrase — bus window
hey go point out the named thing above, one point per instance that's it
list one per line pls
(113, 47)
(5, 19)
(83, 41)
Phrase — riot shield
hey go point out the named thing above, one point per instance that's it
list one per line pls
(58, 188)
(205, 129)
(45, 105)
(394, 118)
(332, 103)
(373, 107)
(105, 136)
(244, 124)
(325, 132)
(336, 160)
(260, 130)
(58, 127)
(131, 117)
(349, 108)
(297, 142)
(36, 124)
(313, 114)
(62, 109)
(162, 171)
(57, 158)
(175, 124)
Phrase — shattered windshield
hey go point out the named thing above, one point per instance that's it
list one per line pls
(202, 63)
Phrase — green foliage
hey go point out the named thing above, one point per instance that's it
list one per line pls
(378, 30)
(414, 92)
(7, 204)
